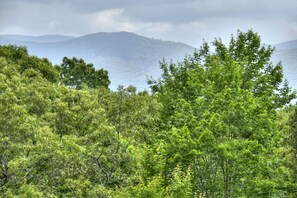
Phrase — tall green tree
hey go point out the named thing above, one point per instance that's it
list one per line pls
(75, 72)
(219, 111)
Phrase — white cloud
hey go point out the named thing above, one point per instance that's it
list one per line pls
(191, 32)
(158, 27)
(110, 20)
(106, 18)
(115, 20)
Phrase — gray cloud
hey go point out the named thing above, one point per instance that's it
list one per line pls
(187, 21)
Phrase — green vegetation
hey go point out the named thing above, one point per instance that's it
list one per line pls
(218, 124)
(74, 73)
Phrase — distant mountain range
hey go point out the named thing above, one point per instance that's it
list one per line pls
(286, 52)
(37, 39)
(129, 58)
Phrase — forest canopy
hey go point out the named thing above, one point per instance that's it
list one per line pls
(217, 124)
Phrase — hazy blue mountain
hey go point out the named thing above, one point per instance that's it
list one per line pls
(287, 45)
(287, 53)
(38, 39)
(129, 58)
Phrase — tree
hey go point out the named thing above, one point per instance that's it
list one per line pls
(75, 72)
(219, 111)
(19, 56)
(58, 141)
(134, 117)
(294, 145)
(45, 129)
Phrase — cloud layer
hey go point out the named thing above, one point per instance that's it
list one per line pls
(188, 21)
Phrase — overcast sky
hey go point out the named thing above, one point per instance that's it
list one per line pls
(188, 21)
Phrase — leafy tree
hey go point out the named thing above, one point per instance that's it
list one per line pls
(134, 117)
(13, 52)
(39, 157)
(180, 184)
(20, 56)
(293, 125)
(75, 72)
(54, 140)
(219, 110)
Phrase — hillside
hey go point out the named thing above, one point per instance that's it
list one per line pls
(129, 58)
(287, 53)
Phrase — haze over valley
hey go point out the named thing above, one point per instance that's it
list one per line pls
(129, 58)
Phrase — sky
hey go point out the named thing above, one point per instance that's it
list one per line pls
(187, 21)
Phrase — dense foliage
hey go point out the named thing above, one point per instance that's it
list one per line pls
(215, 125)
(75, 72)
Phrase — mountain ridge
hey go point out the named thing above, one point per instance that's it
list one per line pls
(292, 44)
(37, 39)
(128, 57)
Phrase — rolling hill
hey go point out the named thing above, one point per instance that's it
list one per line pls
(37, 39)
(130, 58)
(287, 53)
